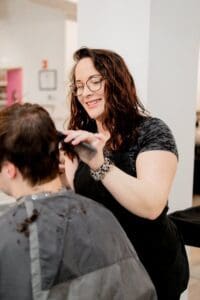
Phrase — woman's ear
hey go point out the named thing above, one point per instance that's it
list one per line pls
(9, 169)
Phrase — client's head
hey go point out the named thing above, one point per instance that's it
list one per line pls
(28, 145)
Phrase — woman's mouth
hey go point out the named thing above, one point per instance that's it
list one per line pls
(92, 103)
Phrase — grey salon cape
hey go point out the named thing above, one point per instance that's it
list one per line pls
(63, 246)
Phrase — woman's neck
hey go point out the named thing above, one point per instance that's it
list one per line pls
(102, 130)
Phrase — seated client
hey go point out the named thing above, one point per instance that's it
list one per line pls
(56, 244)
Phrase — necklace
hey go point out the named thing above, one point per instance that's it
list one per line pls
(40, 195)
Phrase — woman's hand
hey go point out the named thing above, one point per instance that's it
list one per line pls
(67, 167)
(97, 140)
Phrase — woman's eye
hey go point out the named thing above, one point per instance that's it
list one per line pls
(96, 81)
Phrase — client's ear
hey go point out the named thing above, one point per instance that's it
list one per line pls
(9, 169)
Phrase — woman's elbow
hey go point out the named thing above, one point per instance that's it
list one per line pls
(155, 211)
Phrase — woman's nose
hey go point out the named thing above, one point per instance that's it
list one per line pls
(86, 91)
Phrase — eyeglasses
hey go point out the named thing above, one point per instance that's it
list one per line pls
(94, 84)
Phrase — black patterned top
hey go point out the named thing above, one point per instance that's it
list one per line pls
(155, 135)
(157, 242)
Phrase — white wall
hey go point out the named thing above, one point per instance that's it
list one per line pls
(30, 33)
(198, 85)
(122, 26)
(71, 45)
(172, 82)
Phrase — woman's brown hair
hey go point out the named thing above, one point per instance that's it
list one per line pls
(123, 109)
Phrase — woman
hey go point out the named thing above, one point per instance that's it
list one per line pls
(134, 166)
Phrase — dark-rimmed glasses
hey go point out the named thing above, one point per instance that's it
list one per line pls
(94, 84)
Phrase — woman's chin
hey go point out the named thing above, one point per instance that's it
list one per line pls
(94, 116)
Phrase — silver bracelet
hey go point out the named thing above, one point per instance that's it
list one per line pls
(100, 173)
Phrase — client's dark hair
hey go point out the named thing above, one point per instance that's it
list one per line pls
(28, 139)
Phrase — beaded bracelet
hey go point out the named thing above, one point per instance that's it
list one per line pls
(100, 173)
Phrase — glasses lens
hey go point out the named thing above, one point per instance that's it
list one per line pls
(94, 83)
(77, 90)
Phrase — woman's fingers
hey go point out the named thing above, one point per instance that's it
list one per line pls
(77, 136)
(61, 162)
(70, 169)
(97, 140)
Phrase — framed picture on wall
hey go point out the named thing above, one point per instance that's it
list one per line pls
(47, 80)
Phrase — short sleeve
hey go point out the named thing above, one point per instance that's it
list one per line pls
(154, 134)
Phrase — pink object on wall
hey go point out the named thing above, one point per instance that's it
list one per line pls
(14, 87)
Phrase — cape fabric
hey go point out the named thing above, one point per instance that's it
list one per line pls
(66, 247)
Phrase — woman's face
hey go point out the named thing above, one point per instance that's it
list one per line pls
(90, 87)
